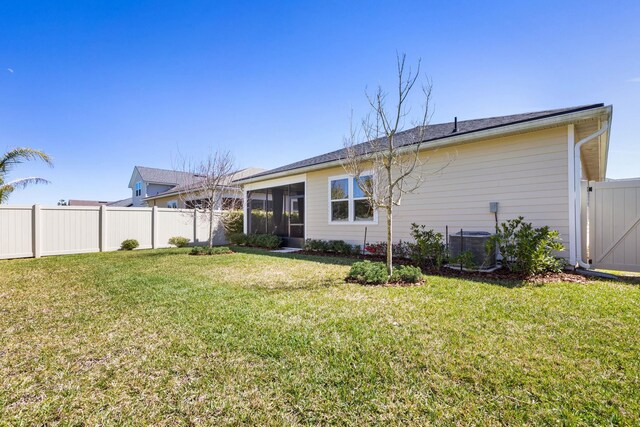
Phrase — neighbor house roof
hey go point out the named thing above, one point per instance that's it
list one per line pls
(193, 183)
(74, 202)
(164, 176)
(434, 133)
(124, 203)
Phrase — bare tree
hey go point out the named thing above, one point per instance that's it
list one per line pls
(383, 158)
(210, 178)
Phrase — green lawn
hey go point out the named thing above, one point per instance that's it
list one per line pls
(163, 338)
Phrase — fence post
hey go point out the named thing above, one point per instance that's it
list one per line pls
(195, 225)
(154, 227)
(35, 231)
(103, 228)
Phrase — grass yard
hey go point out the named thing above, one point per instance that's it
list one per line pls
(163, 338)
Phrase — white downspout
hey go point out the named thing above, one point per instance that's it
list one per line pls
(577, 194)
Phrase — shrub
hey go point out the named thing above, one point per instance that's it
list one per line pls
(341, 247)
(428, 249)
(233, 222)
(205, 250)
(526, 249)
(336, 246)
(178, 241)
(129, 245)
(400, 249)
(464, 259)
(316, 245)
(407, 274)
(239, 239)
(268, 241)
(367, 272)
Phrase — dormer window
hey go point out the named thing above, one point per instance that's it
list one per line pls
(138, 189)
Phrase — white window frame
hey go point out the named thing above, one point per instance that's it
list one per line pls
(351, 208)
(172, 204)
(138, 191)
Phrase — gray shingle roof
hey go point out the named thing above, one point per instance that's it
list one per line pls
(192, 183)
(434, 132)
(124, 203)
(164, 176)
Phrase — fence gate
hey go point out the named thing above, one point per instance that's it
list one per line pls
(614, 225)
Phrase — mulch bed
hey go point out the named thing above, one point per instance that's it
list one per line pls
(501, 274)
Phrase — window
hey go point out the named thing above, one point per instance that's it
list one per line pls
(172, 204)
(339, 200)
(362, 209)
(138, 192)
(348, 203)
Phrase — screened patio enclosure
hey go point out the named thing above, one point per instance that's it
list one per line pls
(278, 210)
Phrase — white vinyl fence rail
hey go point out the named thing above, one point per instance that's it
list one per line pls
(35, 231)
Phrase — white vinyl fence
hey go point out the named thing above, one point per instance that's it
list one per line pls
(35, 231)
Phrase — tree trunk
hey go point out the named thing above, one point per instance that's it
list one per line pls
(211, 228)
(389, 240)
(390, 214)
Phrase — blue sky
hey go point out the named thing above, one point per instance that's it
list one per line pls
(104, 86)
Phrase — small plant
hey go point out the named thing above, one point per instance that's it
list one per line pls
(368, 273)
(428, 249)
(464, 259)
(233, 222)
(179, 242)
(407, 274)
(205, 250)
(526, 249)
(129, 245)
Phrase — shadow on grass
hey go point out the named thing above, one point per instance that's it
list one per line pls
(293, 255)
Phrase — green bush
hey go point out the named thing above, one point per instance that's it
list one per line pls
(205, 250)
(465, 259)
(526, 249)
(341, 247)
(129, 245)
(233, 222)
(178, 241)
(335, 246)
(238, 239)
(367, 272)
(316, 245)
(267, 241)
(407, 274)
(428, 249)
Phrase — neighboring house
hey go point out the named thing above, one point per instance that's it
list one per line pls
(146, 182)
(186, 195)
(525, 162)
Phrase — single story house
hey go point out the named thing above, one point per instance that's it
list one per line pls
(531, 164)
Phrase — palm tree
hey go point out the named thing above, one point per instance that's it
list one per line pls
(14, 157)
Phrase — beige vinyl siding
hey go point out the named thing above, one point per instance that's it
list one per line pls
(526, 174)
(162, 202)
